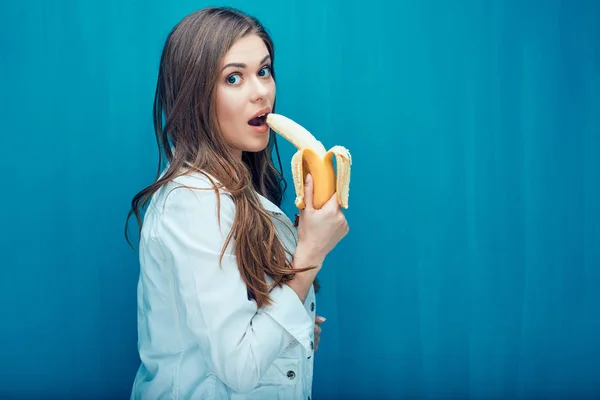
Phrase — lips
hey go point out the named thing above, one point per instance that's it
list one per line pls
(260, 117)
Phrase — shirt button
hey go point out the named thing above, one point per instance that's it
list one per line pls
(291, 375)
(312, 306)
(312, 346)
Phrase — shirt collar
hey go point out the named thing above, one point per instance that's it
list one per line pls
(267, 204)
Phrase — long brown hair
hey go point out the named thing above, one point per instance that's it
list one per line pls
(185, 98)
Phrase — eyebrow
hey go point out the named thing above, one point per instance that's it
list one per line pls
(242, 65)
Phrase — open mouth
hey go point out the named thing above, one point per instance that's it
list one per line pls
(259, 120)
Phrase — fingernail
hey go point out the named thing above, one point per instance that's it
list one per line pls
(322, 319)
(307, 178)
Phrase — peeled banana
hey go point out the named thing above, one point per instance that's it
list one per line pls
(313, 158)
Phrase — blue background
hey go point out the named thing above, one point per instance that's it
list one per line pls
(472, 268)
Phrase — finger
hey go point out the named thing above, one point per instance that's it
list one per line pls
(320, 320)
(332, 203)
(333, 199)
(308, 192)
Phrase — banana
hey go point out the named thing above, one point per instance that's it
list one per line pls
(313, 158)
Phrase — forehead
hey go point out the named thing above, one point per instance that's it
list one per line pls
(248, 49)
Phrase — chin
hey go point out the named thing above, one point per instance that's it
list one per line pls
(257, 146)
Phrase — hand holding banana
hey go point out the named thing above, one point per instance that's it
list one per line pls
(312, 158)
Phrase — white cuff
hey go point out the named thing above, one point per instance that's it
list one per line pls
(289, 312)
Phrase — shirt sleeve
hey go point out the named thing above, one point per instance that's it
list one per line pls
(243, 341)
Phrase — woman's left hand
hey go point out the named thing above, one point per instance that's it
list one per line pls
(318, 321)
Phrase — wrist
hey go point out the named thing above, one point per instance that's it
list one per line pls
(305, 257)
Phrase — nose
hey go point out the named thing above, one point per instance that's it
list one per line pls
(260, 89)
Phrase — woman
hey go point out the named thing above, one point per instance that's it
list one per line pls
(226, 304)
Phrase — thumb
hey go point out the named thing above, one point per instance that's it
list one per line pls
(308, 192)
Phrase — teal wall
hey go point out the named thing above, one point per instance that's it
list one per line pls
(472, 268)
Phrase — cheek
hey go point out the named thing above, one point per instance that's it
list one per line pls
(225, 104)
(221, 103)
(228, 102)
(229, 109)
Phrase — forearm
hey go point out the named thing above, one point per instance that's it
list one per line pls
(302, 281)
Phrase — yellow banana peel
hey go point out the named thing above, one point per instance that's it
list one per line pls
(312, 158)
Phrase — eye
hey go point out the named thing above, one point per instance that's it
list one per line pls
(233, 79)
(265, 71)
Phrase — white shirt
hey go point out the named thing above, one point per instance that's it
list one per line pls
(199, 337)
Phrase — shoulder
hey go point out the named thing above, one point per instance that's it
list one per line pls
(192, 214)
(193, 194)
(197, 181)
